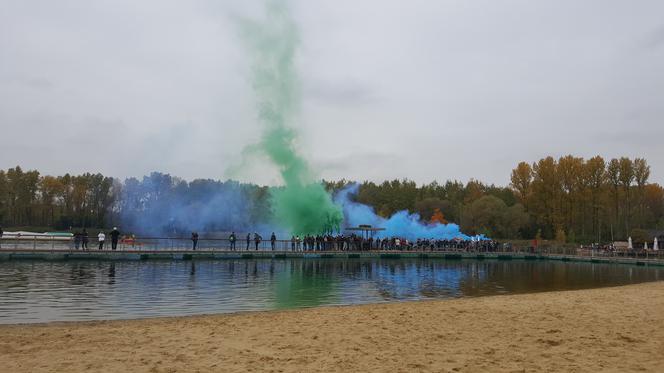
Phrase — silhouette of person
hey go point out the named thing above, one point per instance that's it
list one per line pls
(232, 240)
(115, 234)
(85, 239)
(77, 239)
(194, 240)
(257, 239)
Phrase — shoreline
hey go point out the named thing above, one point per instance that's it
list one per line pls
(89, 323)
(613, 328)
(64, 323)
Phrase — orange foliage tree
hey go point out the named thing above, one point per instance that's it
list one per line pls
(438, 217)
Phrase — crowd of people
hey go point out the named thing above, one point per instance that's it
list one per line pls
(81, 239)
(355, 242)
(329, 242)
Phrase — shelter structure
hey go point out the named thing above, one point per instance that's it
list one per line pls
(365, 230)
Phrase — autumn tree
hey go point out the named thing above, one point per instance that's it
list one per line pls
(585, 200)
(641, 175)
(438, 217)
(521, 181)
(595, 171)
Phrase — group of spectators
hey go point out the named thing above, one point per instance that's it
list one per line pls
(358, 243)
(232, 239)
(352, 242)
(81, 239)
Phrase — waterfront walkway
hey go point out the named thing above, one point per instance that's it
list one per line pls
(59, 248)
(128, 253)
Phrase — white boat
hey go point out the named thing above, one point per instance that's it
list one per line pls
(46, 236)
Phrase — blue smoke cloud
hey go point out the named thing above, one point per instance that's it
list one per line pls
(160, 204)
(401, 224)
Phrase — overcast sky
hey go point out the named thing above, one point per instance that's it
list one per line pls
(429, 90)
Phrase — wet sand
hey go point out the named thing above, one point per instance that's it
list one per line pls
(612, 329)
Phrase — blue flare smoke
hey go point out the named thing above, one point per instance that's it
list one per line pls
(401, 224)
(160, 204)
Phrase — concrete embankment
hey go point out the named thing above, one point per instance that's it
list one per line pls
(28, 254)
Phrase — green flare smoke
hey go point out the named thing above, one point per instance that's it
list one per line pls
(301, 205)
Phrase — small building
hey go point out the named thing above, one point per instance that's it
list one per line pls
(621, 245)
(366, 230)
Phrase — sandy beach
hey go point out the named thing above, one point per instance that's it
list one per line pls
(612, 329)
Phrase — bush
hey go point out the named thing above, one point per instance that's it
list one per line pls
(640, 235)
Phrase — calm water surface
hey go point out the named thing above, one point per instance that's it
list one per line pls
(38, 291)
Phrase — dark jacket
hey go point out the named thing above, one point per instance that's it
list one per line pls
(115, 234)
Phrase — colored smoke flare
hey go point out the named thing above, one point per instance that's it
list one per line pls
(400, 224)
(301, 205)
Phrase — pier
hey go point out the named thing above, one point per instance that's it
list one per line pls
(160, 248)
(8, 254)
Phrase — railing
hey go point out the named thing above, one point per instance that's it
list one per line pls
(166, 244)
(42, 242)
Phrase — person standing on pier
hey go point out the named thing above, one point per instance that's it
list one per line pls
(77, 239)
(273, 239)
(292, 243)
(85, 238)
(257, 239)
(101, 237)
(194, 240)
(1, 233)
(115, 234)
(232, 240)
(248, 240)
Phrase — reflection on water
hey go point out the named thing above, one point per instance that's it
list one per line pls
(36, 291)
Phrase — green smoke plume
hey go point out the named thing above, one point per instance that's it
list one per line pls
(302, 204)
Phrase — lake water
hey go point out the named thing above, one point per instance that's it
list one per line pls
(41, 291)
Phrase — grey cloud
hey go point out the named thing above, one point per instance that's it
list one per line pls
(423, 89)
(654, 39)
(342, 92)
(357, 158)
(39, 83)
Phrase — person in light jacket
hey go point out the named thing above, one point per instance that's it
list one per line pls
(101, 237)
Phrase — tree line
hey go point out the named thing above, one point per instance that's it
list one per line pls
(589, 200)
(29, 199)
(568, 199)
